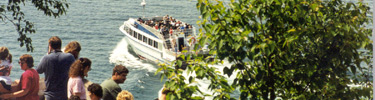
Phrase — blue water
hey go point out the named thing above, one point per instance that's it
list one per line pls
(94, 24)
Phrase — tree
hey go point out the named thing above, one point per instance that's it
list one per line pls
(53, 8)
(291, 49)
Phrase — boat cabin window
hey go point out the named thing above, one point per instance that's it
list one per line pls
(144, 39)
(126, 29)
(139, 37)
(131, 32)
(155, 44)
(150, 42)
(135, 34)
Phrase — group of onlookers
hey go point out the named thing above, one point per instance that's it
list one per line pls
(64, 74)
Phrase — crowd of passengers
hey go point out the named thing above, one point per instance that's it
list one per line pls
(168, 25)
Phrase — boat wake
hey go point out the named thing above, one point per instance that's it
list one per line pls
(121, 55)
(204, 83)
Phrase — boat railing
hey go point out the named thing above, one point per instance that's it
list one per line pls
(169, 52)
(186, 32)
(157, 33)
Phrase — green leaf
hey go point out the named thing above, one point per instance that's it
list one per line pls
(179, 63)
(291, 30)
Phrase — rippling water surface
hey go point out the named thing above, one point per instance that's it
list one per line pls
(94, 23)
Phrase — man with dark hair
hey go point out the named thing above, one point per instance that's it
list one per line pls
(55, 67)
(95, 91)
(110, 86)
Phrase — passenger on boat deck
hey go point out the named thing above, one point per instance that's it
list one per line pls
(157, 27)
(5, 68)
(139, 19)
(55, 67)
(28, 87)
(148, 22)
(110, 86)
(170, 31)
(172, 23)
(125, 95)
(77, 72)
(190, 27)
(73, 48)
(182, 28)
(165, 30)
(166, 17)
(95, 91)
(152, 23)
(161, 28)
(171, 18)
(178, 24)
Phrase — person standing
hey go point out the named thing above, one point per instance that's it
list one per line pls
(28, 87)
(110, 86)
(55, 67)
(73, 48)
(77, 72)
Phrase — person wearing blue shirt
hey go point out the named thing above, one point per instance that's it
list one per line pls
(55, 66)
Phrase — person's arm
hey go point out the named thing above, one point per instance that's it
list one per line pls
(25, 85)
(15, 94)
(77, 87)
(115, 91)
(41, 66)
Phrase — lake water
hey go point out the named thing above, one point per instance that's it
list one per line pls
(94, 24)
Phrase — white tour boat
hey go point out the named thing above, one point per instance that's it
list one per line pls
(158, 39)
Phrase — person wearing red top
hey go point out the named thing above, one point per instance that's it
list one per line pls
(28, 87)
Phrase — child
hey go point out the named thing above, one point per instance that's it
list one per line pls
(77, 71)
(95, 91)
(5, 68)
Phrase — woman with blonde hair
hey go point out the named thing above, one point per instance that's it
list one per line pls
(73, 48)
(77, 71)
(125, 95)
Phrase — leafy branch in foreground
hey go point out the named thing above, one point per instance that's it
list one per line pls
(289, 49)
(53, 8)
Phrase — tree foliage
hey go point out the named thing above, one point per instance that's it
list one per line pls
(290, 49)
(11, 12)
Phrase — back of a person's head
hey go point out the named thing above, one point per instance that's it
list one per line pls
(119, 69)
(125, 95)
(27, 59)
(55, 42)
(72, 46)
(74, 97)
(77, 68)
(95, 89)
(4, 52)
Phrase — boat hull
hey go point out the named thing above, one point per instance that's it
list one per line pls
(144, 50)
